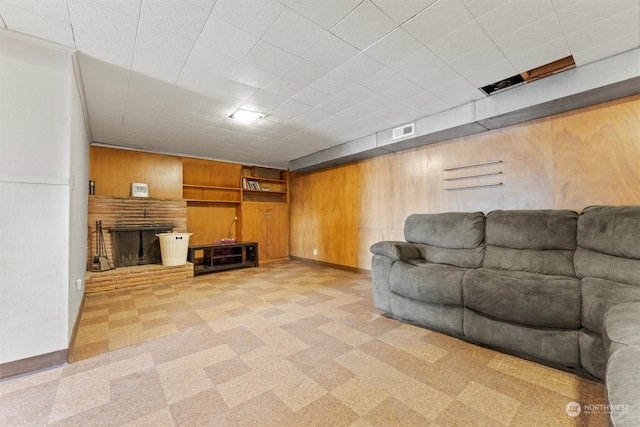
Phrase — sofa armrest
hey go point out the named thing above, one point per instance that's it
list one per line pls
(620, 326)
(395, 250)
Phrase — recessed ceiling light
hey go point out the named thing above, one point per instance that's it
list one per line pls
(245, 116)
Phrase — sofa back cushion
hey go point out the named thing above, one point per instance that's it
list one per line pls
(537, 241)
(609, 244)
(455, 238)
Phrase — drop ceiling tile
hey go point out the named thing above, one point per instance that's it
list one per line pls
(330, 52)
(437, 21)
(253, 16)
(224, 37)
(382, 80)
(375, 103)
(128, 7)
(148, 92)
(207, 5)
(510, 17)
(211, 60)
(531, 36)
(427, 103)
(359, 67)
(577, 15)
(399, 92)
(304, 72)
(458, 92)
(401, 11)
(28, 22)
(326, 13)
(159, 53)
(480, 7)
(394, 47)
(357, 93)
(103, 32)
(417, 64)
(312, 97)
(332, 83)
(180, 99)
(284, 87)
(540, 55)
(364, 26)
(611, 28)
(269, 58)
(232, 89)
(335, 104)
(290, 108)
(293, 32)
(251, 76)
(436, 76)
(52, 9)
(265, 101)
(605, 49)
(466, 40)
(176, 16)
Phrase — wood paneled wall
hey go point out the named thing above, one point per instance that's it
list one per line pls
(114, 170)
(571, 160)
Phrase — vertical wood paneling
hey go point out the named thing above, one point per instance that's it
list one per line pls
(114, 170)
(597, 155)
(570, 161)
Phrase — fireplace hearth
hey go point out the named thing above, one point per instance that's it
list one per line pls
(137, 244)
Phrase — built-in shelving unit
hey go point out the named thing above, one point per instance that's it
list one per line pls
(264, 185)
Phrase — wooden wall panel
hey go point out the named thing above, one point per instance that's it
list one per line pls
(210, 223)
(525, 170)
(114, 170)
(570, 160)
(597, 155)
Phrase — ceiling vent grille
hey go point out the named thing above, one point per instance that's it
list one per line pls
(403, 131)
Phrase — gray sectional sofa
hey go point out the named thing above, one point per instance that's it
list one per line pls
(547, 285)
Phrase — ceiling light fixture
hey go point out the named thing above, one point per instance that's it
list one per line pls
(245, 116)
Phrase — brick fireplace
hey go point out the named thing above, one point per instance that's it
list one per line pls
(118, 213)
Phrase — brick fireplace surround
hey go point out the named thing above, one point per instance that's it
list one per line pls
(121, 211)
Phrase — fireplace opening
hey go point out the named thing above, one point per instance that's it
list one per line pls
(137, 244)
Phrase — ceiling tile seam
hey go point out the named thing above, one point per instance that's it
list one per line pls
(406, 20)
(345, 17)
(133, 54)
(73, 33)
(3, 23)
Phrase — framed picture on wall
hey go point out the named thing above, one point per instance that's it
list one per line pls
(139, 189)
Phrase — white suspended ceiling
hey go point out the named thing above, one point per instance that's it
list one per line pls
(164, 75)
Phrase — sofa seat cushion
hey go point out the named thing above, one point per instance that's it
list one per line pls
(599, 295)
(531, 299)
(622, 385)
(427, 282)
(621, 326)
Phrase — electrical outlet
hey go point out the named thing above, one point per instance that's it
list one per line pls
(79, 284)
(315, 252)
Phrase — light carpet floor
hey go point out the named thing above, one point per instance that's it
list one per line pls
(287, 344)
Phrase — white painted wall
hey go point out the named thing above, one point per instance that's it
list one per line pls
(37, 120)
(78, 206)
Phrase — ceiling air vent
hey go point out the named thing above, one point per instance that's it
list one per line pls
(402, 131)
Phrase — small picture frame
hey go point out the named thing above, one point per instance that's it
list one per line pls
(139, 189)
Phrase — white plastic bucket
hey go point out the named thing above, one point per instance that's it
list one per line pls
(174, 248)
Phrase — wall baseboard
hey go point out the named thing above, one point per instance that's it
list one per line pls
(330, 264)
(33, 364)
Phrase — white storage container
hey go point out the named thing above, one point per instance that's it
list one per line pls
(174, 248)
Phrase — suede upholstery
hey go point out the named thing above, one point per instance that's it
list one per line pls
(549, 285)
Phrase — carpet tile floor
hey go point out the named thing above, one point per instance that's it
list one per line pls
(289, 343)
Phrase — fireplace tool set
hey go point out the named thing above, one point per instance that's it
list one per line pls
(101, 259)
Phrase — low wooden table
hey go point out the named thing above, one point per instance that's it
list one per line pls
(223, 256)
